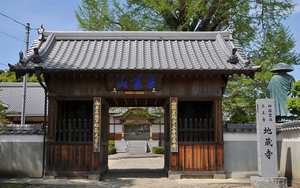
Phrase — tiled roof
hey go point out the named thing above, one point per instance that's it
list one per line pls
(289, 126)
(36, 129)
(11, 95)
(240, 127)
(140, 51)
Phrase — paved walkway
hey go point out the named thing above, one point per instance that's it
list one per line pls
(136, 161)
(130, 170)
(126, 182)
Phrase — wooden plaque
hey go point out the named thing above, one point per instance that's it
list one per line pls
(173, 124)
(97, 124)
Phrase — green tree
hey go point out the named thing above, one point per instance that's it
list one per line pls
(3, 119)
(294, 101)
(256, 24)
(8, 76)
(241, 92)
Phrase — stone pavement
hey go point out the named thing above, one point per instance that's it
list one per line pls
(114, 182)
(129, 170)
(136, 161)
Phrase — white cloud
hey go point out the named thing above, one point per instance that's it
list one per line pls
(297, 8)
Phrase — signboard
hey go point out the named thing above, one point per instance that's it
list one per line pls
(173, 124)
(134, 82)
(97, 124)
(266, 138)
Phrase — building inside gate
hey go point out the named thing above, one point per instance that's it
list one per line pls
(86, 73)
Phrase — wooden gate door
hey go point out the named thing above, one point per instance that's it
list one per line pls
(75, 147)
(200, 146)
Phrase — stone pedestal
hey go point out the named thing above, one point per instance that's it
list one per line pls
(268, 182)
(219, 176)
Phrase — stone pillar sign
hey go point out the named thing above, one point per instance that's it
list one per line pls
(267, 147)
(266, 138)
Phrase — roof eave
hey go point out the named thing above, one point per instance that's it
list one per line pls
(22, 70)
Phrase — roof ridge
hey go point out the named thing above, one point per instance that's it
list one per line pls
(137, 35)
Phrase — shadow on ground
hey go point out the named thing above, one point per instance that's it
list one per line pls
(135, 173)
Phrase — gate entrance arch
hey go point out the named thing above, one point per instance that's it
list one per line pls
(86, 72)
(135, 100)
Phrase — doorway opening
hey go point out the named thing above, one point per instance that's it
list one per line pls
(137, 139)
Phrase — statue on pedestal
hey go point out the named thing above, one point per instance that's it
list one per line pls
(279, 89)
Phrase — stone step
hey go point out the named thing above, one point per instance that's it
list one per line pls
(137, 146)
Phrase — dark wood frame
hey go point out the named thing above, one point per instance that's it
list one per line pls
(186, 86)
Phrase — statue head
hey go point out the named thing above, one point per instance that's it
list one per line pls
(281, 68)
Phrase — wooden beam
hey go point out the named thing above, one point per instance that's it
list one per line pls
(115, 101)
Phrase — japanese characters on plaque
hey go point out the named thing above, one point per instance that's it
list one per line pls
(173, 124)
(266, 137)
(97, 124)
(134, 82)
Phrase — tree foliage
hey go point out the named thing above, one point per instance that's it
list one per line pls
(241, 92)
(294, 101)
(8, 76)
(256, 24)
(3, 119)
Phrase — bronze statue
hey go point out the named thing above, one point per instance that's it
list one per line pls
(279, 89)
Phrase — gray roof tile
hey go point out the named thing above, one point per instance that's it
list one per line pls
(140, 51)
(16, 129)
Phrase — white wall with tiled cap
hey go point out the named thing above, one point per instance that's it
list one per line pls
(21, 138)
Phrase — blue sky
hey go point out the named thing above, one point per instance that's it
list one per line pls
(59, 15)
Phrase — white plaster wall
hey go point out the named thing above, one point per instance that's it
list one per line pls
(155, 128)
(121, 146)
(152, 143)
(240, 154)
(239, 136)
(290, 162)
(118, 128)
(21, 138)
(21, 155)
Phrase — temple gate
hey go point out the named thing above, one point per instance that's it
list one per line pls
(85, 73)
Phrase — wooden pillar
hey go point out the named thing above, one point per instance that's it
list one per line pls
(219, 135)
(101, 131)
(51, 132)
(105, 135)
(167, 136)
(52, 118)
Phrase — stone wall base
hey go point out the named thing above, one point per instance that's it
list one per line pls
(196, 174)
(268, 182)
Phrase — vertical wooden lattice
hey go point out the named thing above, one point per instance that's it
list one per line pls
(74, 123)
